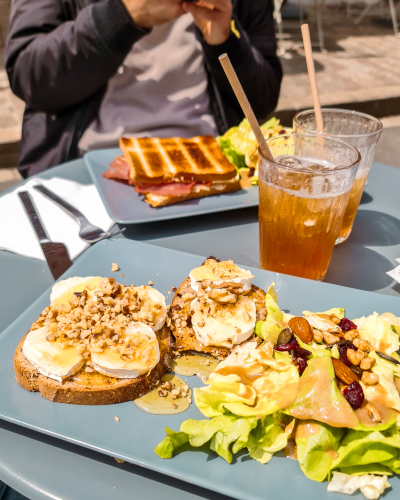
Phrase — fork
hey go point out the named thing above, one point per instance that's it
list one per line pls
(87, 231)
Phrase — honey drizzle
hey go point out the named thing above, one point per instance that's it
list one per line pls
(194, 364)
(156, 405)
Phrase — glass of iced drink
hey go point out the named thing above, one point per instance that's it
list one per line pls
(303, 196)
(357, 129)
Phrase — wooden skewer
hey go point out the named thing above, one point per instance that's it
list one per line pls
(311, 75)
(245, 105)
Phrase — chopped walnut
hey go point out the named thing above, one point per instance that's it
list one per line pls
(114, 267)
(187, 296)
(92, 321)
(222, 296)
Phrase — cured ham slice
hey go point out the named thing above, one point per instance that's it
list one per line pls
(167, 189)
(119, 169)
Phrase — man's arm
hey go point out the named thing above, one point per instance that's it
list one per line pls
(254, 58)
(55, 61)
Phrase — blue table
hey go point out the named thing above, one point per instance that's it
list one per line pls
(41, 467)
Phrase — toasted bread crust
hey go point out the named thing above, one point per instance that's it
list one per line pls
(185, 337)
(157, 201)
(153, 160)
(72, 393)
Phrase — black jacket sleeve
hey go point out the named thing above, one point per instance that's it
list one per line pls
(56, 59)
(254, 58)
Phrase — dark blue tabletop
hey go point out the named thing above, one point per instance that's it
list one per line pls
(41, 467)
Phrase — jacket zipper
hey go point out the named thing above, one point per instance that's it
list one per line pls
(76, 117)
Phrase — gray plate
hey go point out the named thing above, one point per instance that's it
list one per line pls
(125, 206)
(134, 437)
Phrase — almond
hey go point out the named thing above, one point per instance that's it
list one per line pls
(302, 329)
(343, 372)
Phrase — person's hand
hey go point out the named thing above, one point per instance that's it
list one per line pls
(213, 18)
(149, 13)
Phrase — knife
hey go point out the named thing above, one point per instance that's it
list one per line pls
(56, 253)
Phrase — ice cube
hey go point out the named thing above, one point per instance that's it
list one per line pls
(290, 161)
(314, 167)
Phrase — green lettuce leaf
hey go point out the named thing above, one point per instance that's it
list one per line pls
(377, 330)
(230, 151)
(174, 440)
(360, 470)
(338, 311)
(272, 292)
(271, 328)
(386, 386)
(238, 434)
(360, 448)
(274, 388)
(319, 397)
(227, 435)
(223, 391)
(317, 446)
(267, 439)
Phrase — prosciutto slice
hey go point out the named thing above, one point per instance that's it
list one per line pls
(119, 169)
(166, 189)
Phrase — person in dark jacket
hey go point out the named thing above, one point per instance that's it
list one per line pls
(91, 71)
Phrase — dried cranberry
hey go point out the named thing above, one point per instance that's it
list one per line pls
(354, 395)
(286, 347)
(346, 325)
(302, 364)
(343, 352)
(282, 132)
(302, 352)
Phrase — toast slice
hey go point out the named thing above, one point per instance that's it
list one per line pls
(185, 337)
(153, 160)
(156, 200)
(70, 392)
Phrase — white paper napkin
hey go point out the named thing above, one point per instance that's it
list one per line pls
(17, 234)
(395, 273)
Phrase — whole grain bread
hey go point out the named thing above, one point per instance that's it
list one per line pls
(185, 337)
(156, 200)
(70, 392)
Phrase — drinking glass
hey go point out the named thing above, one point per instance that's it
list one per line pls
(303, 196)
(360, 131)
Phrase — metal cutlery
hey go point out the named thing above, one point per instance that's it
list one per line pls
(56, 253)
(87, 231)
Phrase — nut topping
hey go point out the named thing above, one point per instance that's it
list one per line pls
(343, 372)
(302, 329)
(91, 324)
(369, 378)
(367, 363)
(222, 296)
(374, 413)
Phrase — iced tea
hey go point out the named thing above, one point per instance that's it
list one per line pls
(303, 197)
(298, 233)
(360, 131)
(351, 209)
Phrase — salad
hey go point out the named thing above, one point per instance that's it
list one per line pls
(240, 147)
(322, 388)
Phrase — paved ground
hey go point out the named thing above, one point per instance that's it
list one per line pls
(361, 63)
